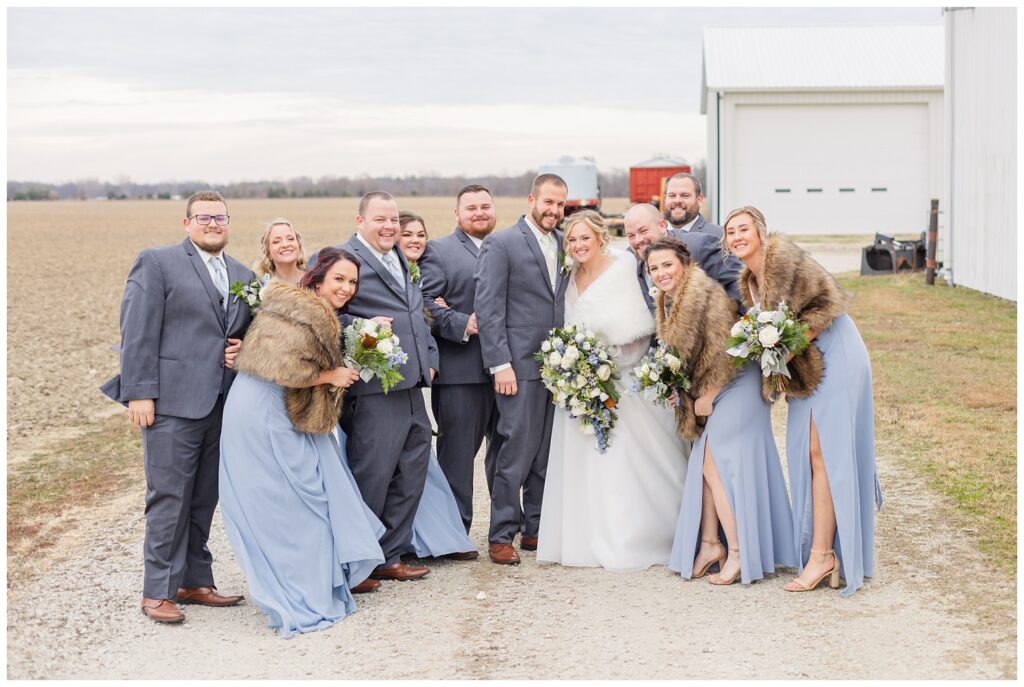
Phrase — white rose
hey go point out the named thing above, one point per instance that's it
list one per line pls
(674, 363)
(579, 338)
(586, 346)
(369, 327)
(588, 428)
(789, 323)
(562, 396)
(595, 392)
(546, 346)
(566, 363)
(604, 397)
(653, 292)
(385, 346)
(394, 339)
(561, 383)
(604, 372)
(572, 352)
(580, 381)
(766, 316)
(737, 328)
(769, 336)
(554, 358)
(652, 375)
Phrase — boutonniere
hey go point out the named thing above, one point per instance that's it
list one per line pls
(251, 293)
(566, 262)
(414, 272)
(653, 291)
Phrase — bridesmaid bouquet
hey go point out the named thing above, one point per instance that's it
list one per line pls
(660, 374)
(373, 349)
(578, 370)
(768, 336)
(251, 293)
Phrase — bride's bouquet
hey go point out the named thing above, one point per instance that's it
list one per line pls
(373, 350)
(578, 370)
(768, 336)
(660, 374)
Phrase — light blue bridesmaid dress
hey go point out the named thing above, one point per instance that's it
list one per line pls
(437, 527)
(292, 511)
(843, 412)
(739, 433)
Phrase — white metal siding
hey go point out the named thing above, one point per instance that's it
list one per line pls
(981, 46)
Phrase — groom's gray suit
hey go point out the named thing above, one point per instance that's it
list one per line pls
(516, 307)
(173, 334)
(462, 396)
(389, 434)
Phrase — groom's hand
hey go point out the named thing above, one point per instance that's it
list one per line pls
(505, 382)
(141, 412)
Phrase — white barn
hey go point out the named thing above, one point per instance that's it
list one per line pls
(828, 130)
(980, 231)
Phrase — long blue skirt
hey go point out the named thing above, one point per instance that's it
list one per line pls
(843, 411)
(739, 435)
(292, 511)
(437, 527)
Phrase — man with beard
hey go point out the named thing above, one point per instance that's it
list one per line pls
(462, 396)
(180, 334)
(520, 296)
(683, 198)
(644, 226)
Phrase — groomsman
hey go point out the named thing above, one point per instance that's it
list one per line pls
(520, 296)
(683, 199)
(644, 225)
(180, 334)
(389, 434)
(462, 396)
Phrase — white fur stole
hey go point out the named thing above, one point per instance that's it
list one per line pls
(613, 306)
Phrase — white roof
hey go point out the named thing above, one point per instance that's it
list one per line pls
(663, 162)
(823, 57)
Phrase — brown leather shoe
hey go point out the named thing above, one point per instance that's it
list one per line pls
(207, 596)
(366, 586)
(399, 571)
(502, 554)
(462, 556)
(162, 611)
(528, 543)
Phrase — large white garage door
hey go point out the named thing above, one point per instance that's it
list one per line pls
(831, 169)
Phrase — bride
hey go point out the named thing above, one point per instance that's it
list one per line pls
(617, 509)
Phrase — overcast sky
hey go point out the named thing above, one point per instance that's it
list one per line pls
(245, 94)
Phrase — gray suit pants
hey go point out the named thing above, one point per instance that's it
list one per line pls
(388, 452)
(522, 439)
(465, 414)
(182, 459)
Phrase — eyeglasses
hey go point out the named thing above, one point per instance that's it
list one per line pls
(221, 220)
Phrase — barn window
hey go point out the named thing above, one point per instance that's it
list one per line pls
(782, 190)
(814, 190)
(879, 189)
(846, 190)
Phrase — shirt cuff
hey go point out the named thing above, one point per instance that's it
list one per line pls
(499, 368)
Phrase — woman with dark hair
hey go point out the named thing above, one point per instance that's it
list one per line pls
(830, 431)
(734, 479)
(292, 511)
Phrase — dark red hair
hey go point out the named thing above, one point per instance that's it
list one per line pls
(324, 261)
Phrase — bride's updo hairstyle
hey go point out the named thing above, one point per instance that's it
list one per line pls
(325, 261)
(593, 221)
(668, 243)
(759, 223)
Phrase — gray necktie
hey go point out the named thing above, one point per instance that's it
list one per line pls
(391, 262)
(220, 281)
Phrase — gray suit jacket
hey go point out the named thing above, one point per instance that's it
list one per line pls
(174, 330)
(706, 252)
(380, 294)
(700, 227)
(515, 305)
(447, 269)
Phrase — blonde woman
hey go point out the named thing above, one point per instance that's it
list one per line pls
(617, 509)
(282, 253)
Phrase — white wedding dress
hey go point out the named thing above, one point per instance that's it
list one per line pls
(619, 509)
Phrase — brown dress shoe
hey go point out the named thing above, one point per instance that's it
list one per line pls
(162, 611)
(462, 556)
(528, 543)
(399, 571)
(502, 554)
(366, 586)
(207, 596)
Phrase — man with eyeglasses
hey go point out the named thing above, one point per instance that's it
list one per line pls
(180, 334)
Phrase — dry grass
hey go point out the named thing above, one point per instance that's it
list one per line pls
(945, 375)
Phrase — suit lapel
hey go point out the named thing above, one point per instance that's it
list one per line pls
(204, 276)
(531, 241)
(466, 242)
(560, 275)
(370, 259)
(234, 304)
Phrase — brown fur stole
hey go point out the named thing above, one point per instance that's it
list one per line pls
(811, 292)
(698, 326)
(293, 338)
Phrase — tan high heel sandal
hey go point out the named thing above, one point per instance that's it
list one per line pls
(703, 571)
(832, 574)
(721, 580)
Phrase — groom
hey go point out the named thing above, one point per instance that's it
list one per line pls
(520, 296)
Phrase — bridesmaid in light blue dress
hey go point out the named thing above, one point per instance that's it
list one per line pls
(830, 439)
(437, 528)
(293, 514)
(734, 483)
